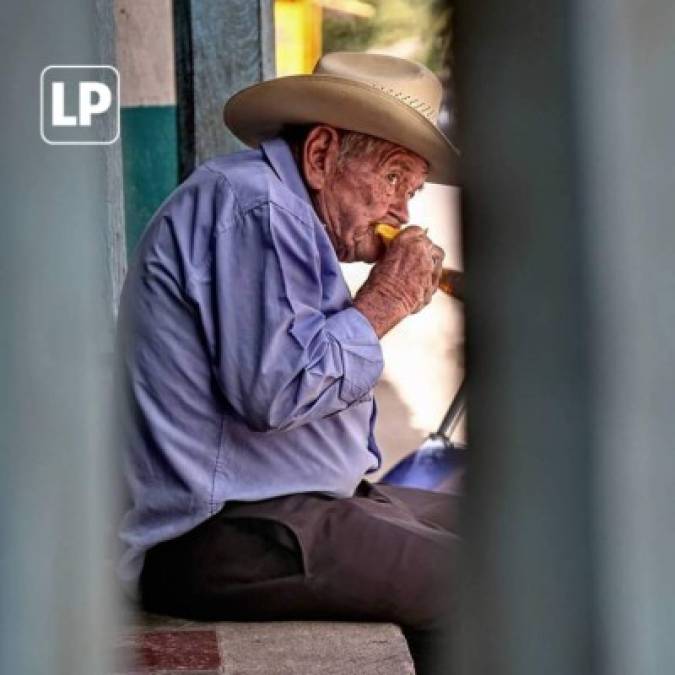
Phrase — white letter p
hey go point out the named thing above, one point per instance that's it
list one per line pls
(87, 105)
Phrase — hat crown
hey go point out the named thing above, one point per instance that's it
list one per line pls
(407, 81)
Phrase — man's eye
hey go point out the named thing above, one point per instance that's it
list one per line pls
(393, 178)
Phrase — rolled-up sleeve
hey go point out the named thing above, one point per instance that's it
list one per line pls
(279, 359)
(361, 352)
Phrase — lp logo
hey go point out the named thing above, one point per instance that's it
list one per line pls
(79, 105)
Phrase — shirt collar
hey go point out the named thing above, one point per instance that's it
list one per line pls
(281, 159)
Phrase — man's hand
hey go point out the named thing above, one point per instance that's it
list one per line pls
(402, 281)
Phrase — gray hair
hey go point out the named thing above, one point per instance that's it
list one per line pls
(353, 144)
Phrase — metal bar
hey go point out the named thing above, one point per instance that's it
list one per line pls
(447, 426)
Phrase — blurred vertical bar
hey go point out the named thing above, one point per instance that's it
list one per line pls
(221, 47)
(528, 571)
(61, 267)
(115, 223)
(566, 114)
(625, 64)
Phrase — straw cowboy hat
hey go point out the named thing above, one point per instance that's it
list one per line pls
(383, 96)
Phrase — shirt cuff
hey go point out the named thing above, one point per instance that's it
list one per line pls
(362, 360)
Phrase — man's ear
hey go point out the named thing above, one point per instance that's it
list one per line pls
(319, 155)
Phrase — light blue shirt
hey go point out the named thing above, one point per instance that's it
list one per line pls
(245, 370)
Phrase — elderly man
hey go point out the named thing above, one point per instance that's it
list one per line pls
(248, 369)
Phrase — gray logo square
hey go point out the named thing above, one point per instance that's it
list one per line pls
(79, 105)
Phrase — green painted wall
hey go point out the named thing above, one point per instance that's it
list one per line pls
(150, 162)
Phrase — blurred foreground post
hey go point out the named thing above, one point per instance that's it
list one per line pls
(61, 266)
(566, 114)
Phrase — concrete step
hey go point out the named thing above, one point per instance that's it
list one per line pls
(166, 646)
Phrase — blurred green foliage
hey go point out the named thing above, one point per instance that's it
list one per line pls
(415, 29)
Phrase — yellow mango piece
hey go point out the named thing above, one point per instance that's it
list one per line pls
(387, 232)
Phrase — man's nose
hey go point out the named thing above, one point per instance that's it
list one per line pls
(399, 209)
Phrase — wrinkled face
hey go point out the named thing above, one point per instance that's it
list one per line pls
(365, 190)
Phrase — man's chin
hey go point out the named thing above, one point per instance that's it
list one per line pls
(366, 250)
(368, 255)
(370, 250)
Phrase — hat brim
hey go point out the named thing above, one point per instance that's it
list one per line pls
(259, 112)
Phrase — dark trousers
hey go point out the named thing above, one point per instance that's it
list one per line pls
(385, 554)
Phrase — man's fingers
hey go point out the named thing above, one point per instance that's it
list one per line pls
(416, 262)
(411, 231)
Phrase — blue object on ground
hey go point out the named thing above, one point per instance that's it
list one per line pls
(436, 465)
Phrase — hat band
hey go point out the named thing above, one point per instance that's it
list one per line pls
(416, 104)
